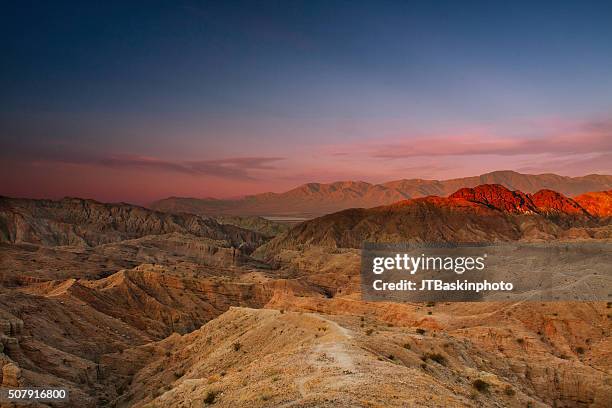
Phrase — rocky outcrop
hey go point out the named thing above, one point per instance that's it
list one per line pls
(544, 202)
(10, 351)
(598, 204)
(497, 197)
(11, 375)
(11, 326)
(551, 202)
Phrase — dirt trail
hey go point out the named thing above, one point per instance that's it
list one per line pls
(329, 364)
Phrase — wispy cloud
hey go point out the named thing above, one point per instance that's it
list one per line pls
(233, 168)
(599, 163)
(589, 138)
(581, 138)
(236, 168)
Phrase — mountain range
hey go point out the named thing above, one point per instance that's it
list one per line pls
(315, 199)
(486, 213)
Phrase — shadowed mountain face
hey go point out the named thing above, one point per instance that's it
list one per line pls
(316, 199)
(485, 213)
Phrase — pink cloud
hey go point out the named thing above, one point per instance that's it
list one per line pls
(233, 168)
(586, 138)
(239, 168)
(560, 136)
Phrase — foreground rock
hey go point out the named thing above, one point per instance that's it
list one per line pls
(275, 358)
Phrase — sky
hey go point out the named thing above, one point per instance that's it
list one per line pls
(136, 101)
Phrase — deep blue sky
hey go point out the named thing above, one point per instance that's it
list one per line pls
(267, 87)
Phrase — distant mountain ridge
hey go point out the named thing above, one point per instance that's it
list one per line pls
(315, 199)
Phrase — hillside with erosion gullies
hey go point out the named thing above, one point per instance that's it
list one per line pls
(78, 222)
(131, 307)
